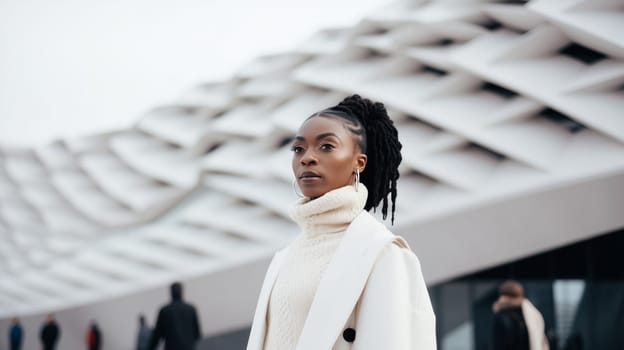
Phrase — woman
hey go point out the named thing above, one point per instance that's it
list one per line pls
(345, 282)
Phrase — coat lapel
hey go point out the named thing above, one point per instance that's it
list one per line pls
(258, 329)
(343, 282)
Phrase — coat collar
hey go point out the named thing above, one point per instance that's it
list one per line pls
(343, 282)
(258, 327)
(339, 288)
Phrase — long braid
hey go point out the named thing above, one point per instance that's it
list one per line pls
(379, 140)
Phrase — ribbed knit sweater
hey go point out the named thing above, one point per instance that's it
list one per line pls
(323, 222)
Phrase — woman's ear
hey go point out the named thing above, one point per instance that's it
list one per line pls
(361, 161)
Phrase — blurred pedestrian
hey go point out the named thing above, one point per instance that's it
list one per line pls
(50, 333)
(144, 334)
(177, 323)
(518, 325)
(94, 337)
(16, 334)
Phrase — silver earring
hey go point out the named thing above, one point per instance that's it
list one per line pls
(357, 179)
(295, 187)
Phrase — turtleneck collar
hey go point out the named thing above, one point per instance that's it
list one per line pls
(331, 212)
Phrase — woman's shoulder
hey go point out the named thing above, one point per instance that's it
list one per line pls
(399, 252)
(369, 222)
(398, 269)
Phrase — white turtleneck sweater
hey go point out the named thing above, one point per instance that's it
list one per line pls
(323, 222)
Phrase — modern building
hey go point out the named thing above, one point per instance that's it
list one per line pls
(511, 115)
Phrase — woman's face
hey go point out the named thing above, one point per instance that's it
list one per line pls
(325, 156)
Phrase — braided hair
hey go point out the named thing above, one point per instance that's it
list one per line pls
(379, 140)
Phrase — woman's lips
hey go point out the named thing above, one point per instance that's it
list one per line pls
(309, 176)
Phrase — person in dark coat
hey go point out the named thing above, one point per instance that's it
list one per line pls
(509, 331)
(177, 323)
(94, 337)
(518, 324)
(16, 335)
(50, 334)
(144, 334)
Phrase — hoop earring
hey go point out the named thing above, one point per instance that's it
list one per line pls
(356, 183)
(298, 193)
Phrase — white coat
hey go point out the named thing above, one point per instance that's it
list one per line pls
(372, 289)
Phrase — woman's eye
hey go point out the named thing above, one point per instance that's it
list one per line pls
(296, 149)
(327, 147)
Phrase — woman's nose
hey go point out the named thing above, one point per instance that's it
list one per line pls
(308, 158)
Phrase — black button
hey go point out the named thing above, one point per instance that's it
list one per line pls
(349, 335)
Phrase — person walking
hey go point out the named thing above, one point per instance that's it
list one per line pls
(50, 333)
(518, 325)
(143, 335)
(16, 335)
(345, 282)
(94, 337)
(177, 323)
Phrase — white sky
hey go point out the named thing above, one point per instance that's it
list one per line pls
(75, 67)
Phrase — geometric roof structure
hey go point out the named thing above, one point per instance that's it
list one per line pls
(512, 124)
